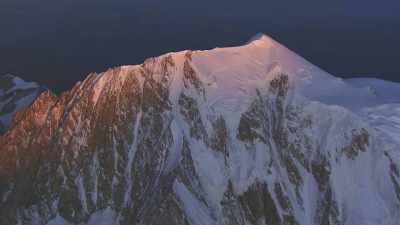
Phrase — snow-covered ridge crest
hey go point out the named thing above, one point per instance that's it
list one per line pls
(231, 74)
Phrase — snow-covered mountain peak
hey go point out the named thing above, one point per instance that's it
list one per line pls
(261, 38)
(15, 94)
(10, 81)
(253, 134)
(263, 55)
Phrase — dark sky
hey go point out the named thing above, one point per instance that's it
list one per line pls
(58, 42)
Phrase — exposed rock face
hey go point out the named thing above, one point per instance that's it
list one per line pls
(15, 94)
(224, 136)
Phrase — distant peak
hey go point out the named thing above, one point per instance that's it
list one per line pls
(12, 78)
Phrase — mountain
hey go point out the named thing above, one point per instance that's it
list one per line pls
(252, 134)
(15, 94)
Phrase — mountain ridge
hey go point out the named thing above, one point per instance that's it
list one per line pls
(241, 135)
